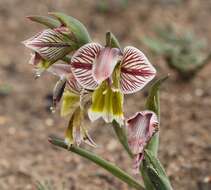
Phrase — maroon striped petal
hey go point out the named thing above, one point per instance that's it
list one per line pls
(105, 63)
(82, 62)
(50, 44)
(73, 84)
(136, 70)
(140, 129)
(64, 71)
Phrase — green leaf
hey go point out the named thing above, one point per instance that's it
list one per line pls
(111, 41)
(147, 181)
(159, 182)
(153, 104)
(110, 167)
(45, 20)
(70, 102)
(155, 45)
(76, 27)
(155, 172)
(148, 155)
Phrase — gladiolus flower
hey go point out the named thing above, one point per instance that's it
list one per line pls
(74, 102)
(93, 67)
(140, 129)
(49, 46)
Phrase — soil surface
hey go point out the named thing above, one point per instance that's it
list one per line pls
(26, 122)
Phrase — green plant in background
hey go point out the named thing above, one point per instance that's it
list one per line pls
(94, 82)
(47, 185)
(44, 186)
(184, 52)
(5, 89)
(111, 5)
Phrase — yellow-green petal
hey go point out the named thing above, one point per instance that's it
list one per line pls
(98, 99)
(70, 102)
(74, 133)
(107, 103)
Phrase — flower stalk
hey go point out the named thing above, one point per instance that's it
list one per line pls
(110, 167)
(121, 136)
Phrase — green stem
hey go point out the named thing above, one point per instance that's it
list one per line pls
(113, 169)
(120, 133)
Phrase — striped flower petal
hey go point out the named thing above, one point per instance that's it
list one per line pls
(136, 70)
(140, 128)
(64, 71)
(50, 44)
(105, 63)
(82, 62)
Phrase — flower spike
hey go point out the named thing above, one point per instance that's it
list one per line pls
(136, 70)
(140, 129)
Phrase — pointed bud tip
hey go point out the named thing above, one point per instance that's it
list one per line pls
(50, 140)
(29, 17)
(25, 42)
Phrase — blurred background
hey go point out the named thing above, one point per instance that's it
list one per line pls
(174, 34)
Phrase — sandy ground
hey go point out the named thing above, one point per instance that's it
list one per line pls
(26, 122)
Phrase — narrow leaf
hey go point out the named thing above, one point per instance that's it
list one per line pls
(159, 182)
(110, 167)
(147, 181)
(156, 172)
(45, 20)
(153, 104)
(154, 162)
